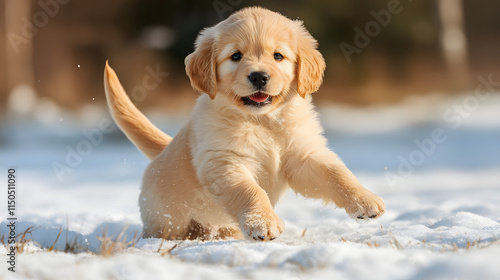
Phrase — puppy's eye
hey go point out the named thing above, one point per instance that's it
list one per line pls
(236, 56)
(278, 56)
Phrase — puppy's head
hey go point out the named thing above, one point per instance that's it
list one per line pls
(256, 60)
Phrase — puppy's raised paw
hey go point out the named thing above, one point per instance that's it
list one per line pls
(261, 225)
(365, 205)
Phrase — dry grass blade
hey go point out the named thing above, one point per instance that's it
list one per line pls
(164, 237)
(2, 240)
(74, 247)
(22, 239)
(110, 247)
(169, 251)
(120, 235)
(51, 248)
(395, 242)
(106, 248)
(161, 245)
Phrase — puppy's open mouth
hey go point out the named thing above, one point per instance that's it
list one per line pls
(257, 99)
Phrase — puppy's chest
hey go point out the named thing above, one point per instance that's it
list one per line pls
(260, 150)
(259, 143)
(258, 147)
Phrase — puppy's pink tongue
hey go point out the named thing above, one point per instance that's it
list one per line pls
(258, 97)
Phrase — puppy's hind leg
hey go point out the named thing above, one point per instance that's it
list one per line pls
(158, 225)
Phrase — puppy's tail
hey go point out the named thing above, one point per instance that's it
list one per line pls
(145, 136)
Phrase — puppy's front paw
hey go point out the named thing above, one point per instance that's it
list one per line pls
(365, 205)
(262, 225)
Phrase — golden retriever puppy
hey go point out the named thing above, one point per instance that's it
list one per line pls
(252, 135)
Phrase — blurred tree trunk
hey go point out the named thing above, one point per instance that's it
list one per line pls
(18, 44)
(3, 45)
(454, 41)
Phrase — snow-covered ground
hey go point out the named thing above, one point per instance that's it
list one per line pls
(437, 167)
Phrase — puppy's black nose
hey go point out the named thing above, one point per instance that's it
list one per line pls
(258, 79)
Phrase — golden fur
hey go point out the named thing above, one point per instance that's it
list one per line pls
(223, 173)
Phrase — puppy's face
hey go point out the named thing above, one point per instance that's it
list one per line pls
(255, 60)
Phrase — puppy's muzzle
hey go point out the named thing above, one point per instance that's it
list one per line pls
(259, 98)
(259, 79)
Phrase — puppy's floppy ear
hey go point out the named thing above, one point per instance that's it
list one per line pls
(310, 62)
(201, 64)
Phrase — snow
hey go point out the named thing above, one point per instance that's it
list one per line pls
(442, 220)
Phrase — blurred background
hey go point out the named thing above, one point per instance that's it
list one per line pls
(410, 102)
(393, 69)
(57, 48)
